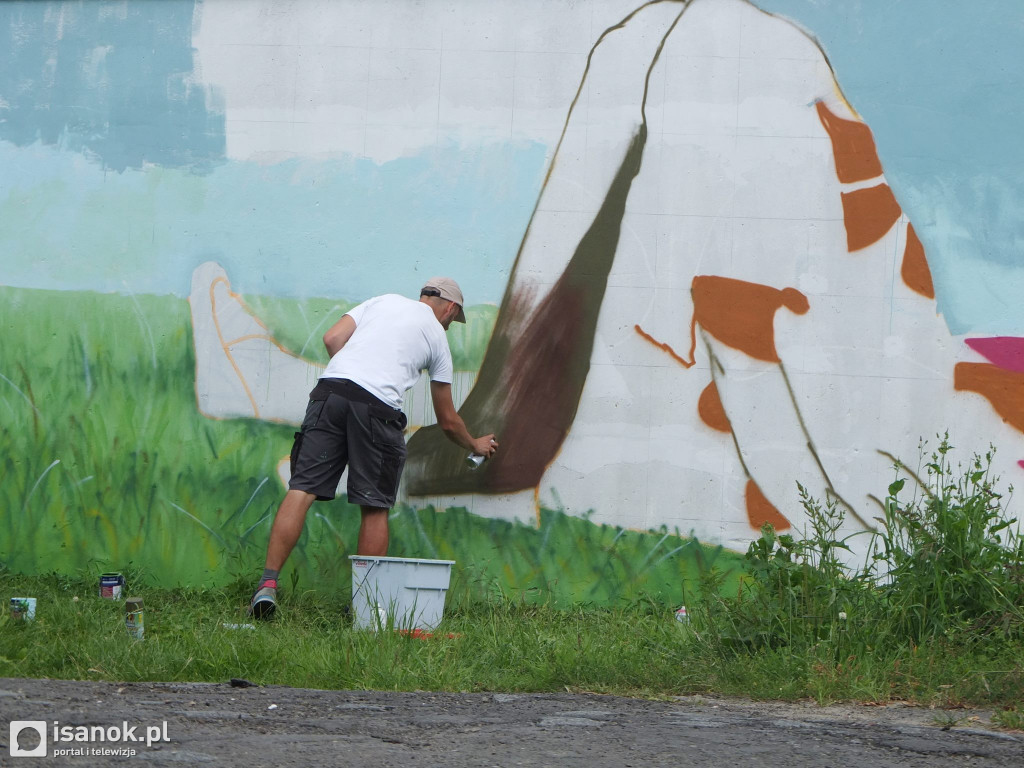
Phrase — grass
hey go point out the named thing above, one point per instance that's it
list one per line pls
(106, 464)
(947, 565)
(500, 645)
(936, 614)
(1010, 718)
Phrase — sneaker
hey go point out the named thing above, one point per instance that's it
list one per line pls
(264, 601)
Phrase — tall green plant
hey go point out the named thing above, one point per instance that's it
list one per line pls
(796, 588)
(953, 561)
(948, 564)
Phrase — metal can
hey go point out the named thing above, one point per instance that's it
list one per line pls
(111, 586)
(133, 621)
(474, 460)
(23, 608)
(681, 615)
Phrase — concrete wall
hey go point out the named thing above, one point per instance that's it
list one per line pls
(711, 249)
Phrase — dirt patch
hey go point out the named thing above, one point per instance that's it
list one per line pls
(230, 726)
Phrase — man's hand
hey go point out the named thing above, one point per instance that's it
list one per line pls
(485, 446)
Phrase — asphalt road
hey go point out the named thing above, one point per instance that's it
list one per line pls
(221, 725)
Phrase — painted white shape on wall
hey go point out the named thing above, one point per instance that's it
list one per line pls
(319, 78)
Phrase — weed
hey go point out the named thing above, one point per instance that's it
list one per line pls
(947, 720)
(1010, 718)
(953, 563)
(941, 593)
(798, 592)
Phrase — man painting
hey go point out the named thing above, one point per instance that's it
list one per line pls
(355, 418)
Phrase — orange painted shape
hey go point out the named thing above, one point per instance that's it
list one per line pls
(853, 147)
(915, 271)
(761, 511)
(742, 314)
(711, 410)
(868, 213)
(667, 348)
(1003, 389)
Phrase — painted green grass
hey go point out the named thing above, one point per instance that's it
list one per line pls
(106, 464)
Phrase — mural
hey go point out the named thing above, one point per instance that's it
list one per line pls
(693, 282)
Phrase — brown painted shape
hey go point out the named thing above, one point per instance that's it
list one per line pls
(869, 213)
(915, 271)
(536, 364)
(853, 147)
(761, 511)
(1003, 389)
(711, 410)
(742, 314)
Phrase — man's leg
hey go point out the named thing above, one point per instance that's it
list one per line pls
(288, 523)
(291, 517)
(373, 532)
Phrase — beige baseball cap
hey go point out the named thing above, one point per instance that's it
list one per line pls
(447, 289)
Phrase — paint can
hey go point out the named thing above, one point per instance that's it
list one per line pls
(111, 586)
(681, 615)
(474, 460)
(133, 621)
(23, 608)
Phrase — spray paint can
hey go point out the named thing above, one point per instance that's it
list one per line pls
(23, 608)
(133, 621)
(681, 615)
(111, 586)
(474, 460)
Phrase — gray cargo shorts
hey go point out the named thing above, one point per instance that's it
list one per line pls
(346, 425)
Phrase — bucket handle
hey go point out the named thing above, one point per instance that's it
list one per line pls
(363, 582)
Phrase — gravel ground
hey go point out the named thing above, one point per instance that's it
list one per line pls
(255, 726)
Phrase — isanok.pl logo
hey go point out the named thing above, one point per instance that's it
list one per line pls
(80, 740)
(19, 727)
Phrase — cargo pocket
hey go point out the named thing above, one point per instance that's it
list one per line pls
(313, 411)
(296, 447)
(389, 440)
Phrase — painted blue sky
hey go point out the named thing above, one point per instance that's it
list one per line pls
(340, 228)
(112, 79)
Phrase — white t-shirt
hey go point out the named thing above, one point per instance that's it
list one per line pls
(395, 339)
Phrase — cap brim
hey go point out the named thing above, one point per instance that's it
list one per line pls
(461, 317)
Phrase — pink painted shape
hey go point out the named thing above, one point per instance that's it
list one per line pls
(1021, 462)
(1005, 351)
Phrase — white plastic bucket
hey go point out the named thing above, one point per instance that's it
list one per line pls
(398, 592)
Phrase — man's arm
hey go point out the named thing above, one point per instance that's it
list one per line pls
(339, 334)
(452, 424)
